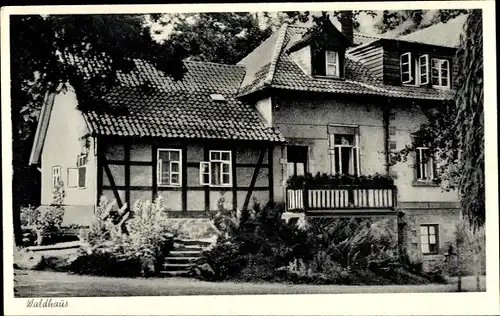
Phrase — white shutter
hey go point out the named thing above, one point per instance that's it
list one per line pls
(159, 171)
(204, 165)
(173, 173)
(406, 68)
(424, 69)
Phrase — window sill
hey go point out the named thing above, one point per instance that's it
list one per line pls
(329, 77)
(220, 185)
(426, 183)
(77, 188)
(169, 185)
(431, 254)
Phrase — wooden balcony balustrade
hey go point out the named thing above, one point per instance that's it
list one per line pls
(345, 197)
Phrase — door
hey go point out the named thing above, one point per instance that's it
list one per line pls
(297, 160)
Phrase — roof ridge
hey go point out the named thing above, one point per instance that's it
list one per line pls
(276, 53)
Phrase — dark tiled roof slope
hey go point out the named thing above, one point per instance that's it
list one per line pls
(182, 109)
(265, 68)
(260, 63)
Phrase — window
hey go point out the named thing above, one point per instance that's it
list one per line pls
(56, 176)
(169, 167)
(440, 73)
(345, 153)
(429, 239)
(415, 71)
(425, 165)
(216, 171)
(296, 160)
(423, 62)
(332, 63)
(407, 70)
(77, 177)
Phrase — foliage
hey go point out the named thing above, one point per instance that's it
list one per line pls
(262, 247)
(467, 250)
(408, 21)
(455, 130)
(223, 37)
(43, 221)
(469, 121)
(139, 250)
(333, 181)
(40, 50)
(354, 242)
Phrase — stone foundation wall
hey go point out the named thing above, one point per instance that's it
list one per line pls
(414, 214)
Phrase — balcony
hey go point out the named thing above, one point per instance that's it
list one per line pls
(322, 199)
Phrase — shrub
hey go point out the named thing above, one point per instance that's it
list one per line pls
(44, 222)
(137, 250)
(354, 242)
(224, 259)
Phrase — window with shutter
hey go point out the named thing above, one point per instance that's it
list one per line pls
(169, 167)
(56, 176)
(407, 69)
(216, 171)
(440, 73)
(425, 164)
(423, 62)
(429, 239)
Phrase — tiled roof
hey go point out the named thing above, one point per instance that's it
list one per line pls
(441, 34)
(260, 64)
(265, 69)
(181, 109)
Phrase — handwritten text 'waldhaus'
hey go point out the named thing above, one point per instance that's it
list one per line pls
(46, 303)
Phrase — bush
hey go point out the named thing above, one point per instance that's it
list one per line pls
(224, 259)
(134, 248)
(44, 222)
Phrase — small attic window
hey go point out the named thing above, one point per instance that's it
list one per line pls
(217, 97)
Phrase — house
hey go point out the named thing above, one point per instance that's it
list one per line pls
(301, 102)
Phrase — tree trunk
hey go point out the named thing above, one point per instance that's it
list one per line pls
(477, 272)
(459, 272)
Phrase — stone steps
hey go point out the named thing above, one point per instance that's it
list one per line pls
(185, 253)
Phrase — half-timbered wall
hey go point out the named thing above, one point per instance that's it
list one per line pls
(128, 172)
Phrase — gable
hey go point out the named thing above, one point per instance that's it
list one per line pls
(41, 129)
(60, 121)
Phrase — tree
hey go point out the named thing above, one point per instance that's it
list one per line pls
(455, 130)
(408, 21)
(223, 37)
(41, 47)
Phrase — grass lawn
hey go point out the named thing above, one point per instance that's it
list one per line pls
(57, 284)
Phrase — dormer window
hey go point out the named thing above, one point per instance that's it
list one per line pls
(415, 70)
(332, 64)
(440, 73)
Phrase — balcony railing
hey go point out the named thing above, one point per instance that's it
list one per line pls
(346, 197)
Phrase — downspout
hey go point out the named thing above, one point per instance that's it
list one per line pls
(386, 119)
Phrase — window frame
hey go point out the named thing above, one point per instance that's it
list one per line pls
(429, 165)
(411, 69)
(336, 64)
(228, 162)
(428, 238)
(159, 168)
(426, 73)
(338, 147)
(440, 78)
(54, 168)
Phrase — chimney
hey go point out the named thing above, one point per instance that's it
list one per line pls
(347, 25)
